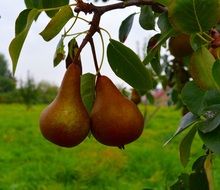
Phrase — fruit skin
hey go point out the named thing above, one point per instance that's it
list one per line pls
(65, 121)
(215, 52)
(179, 46)
(115, 120)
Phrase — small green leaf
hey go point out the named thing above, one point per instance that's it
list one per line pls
(192, 16)
(88, 90)
(59, 54)
(127, 65)
(210, 124)
(193, 97)
(155, 63)
(156, 47)
(185, 146)
(57, 23)
(147, 18)
(163, 22)
(125, 27)
(216, 71)
(200, 68)
(17, 43)
(54, 4)
(72, 51)
(187, 120)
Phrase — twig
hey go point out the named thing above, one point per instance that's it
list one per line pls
(98, 11)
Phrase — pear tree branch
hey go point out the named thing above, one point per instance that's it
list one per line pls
(98, 11)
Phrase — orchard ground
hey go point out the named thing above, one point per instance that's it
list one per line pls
(28, 161)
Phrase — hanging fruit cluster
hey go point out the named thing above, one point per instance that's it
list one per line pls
(114, 119)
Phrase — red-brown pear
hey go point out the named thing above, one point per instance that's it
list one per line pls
(115, 120)
(65, 121)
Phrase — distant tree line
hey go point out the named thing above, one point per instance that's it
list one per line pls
(28, 92)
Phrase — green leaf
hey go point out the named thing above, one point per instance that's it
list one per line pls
(192, 16)
(127, 65)
(156, 47)
(212, 97)
(59, 54)
(34, 4)
(211, 139)
(185, 146)
(200, 68)
(147, 18)
(187, 120)
(57, 23)
(125, 27)
(182, 182)
(54, 4)
(17, 43)
(210, 124)
(21, 21)
(155, 63)
(163, 2)
(198, 181)
(88, 90)
(193, 97)
(72, 51)
(163, 22)
(196, 42)
(216, 71)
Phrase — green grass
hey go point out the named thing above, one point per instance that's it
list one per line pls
(29, 162)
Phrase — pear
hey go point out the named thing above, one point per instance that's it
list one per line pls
(179, 46)
(115, 120)
(65, 121)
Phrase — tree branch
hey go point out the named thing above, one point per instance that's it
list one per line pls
(98, 11)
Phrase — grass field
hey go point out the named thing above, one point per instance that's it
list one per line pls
(29, 162)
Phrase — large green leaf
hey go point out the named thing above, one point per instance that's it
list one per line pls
(125, 27)
(216, 71)
(127, 65)
(191, 16)
(54, 4)
(193, 97)
(212, 140)
(200, 68)
(57, 23)
(185, 146)
(147, 18)
(88, 90)
(17, 43)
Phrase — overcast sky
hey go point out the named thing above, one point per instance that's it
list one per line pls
(37, 55)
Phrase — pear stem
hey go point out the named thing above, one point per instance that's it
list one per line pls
(94, 56)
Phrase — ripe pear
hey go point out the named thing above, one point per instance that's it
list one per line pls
(179, 46)
(65, 121)
(115, 120)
